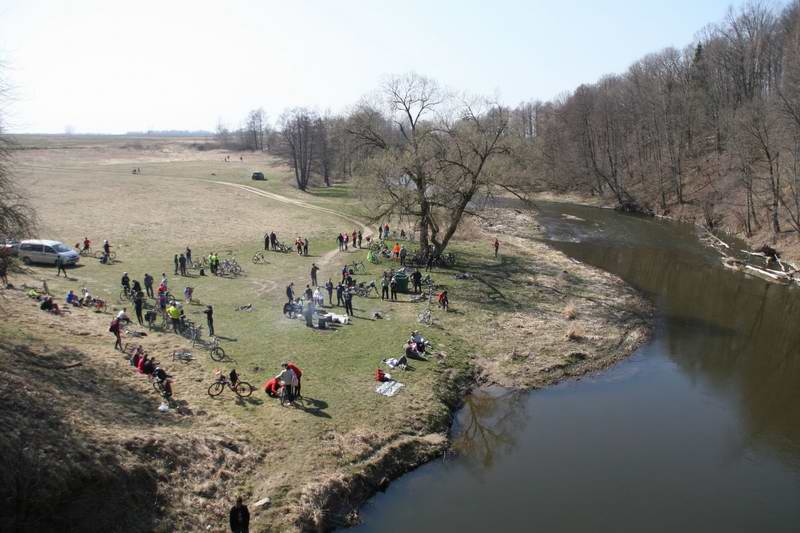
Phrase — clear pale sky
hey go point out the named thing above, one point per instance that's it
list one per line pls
(115, 66)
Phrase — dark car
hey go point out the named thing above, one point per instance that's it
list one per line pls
(259, 176)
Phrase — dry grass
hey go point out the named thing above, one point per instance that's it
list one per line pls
(347, 441)
(569, 312)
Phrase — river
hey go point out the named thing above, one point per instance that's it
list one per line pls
(699, 430)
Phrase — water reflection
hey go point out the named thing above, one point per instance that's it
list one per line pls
(735, 333)
(488, 424)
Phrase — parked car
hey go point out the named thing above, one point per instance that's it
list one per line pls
(259, 176)
(44, 251)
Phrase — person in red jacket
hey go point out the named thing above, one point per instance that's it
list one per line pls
(271, 387)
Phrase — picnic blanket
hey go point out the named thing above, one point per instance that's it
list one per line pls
(389, 388)
(392, 362)
(336, 319)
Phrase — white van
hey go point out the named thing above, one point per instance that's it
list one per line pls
(43, 251)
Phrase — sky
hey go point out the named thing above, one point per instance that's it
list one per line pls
(113, 66)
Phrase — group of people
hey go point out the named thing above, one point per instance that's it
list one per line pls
(349, 239)
(289, 377)
(301, 245)
(151, 368)
(183, 261)
(270, 241)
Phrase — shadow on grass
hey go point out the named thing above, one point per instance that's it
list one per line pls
(312, 406)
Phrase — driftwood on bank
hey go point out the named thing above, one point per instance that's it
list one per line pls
(785, 275)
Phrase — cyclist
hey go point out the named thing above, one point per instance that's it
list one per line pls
(136, 287)
(106, 247)
(126, 282)
(161, 377)
(87, 244)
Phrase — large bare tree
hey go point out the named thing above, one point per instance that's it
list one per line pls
(430, 155)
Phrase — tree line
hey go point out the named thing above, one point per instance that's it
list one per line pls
(713, 128)
(715, 125)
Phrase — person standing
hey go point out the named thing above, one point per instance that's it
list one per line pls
(60, 265)
(393, 287)
(339, 295)
(345, 241)
(314, 270)
(403, 253)
(114, 328)
(384, 288)
(359, 239)
(188, 254)
(429, 264)
(416, 279)
(273, 239)
(138, 303)
(290, 292)
(355, 235)
(209, 312)
(308, 311)
(266, 241)
(148, 285)
(340, 242)
(305, 246)
(240, 517)
(329, 288)
(182, 264)
(348, 303)
(496, 247)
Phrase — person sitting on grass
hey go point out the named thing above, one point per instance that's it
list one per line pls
(49, 305)
(161, 376)
(411, 350)
(72, 299)
(419, 341)
(122, 316)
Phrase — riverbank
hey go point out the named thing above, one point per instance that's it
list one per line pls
(525, 319)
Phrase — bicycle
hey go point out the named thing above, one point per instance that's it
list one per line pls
(283, 395)
(358, 267)
(215, 351)
(125, 294)
(280, 247)
(182, 356)
(260, 258)
(242, 389)
(192, 331)
(112, 255)
(364, 289)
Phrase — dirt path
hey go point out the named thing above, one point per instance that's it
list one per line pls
(327, 257)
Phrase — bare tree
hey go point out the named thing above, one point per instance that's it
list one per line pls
(298, 130)
(430, 155)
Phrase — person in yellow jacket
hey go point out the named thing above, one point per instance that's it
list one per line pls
(174, 314)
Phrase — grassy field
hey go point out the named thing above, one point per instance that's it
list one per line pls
(185, 197)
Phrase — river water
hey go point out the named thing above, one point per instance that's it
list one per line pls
(699, 430)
